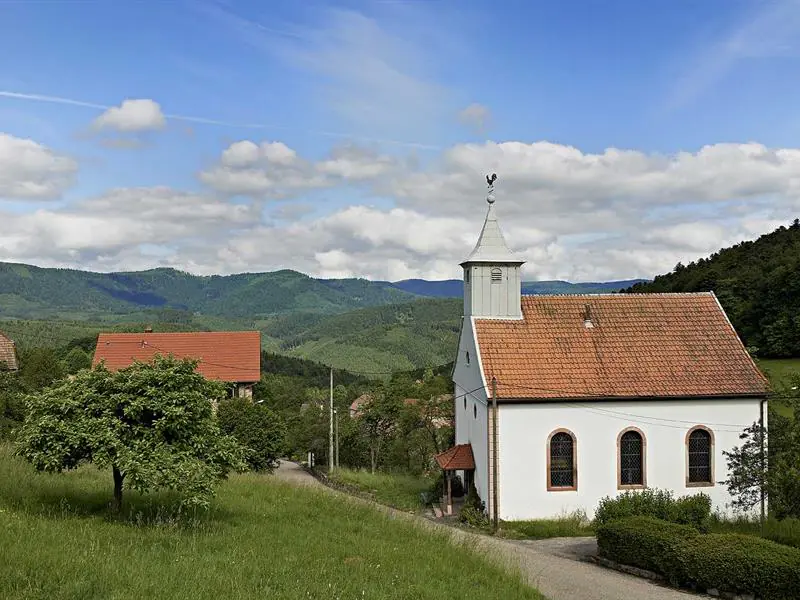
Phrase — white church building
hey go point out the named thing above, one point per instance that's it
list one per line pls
(593, 394)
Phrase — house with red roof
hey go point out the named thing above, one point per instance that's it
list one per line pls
(233, 357)
(563, 400)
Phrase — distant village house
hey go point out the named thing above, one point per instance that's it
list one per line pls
(233, 357)
(8, 354)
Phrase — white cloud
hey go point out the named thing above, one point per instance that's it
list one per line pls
(30, 171)
(570, 214)
(273, 170)
(115, 225)
(476, 116)
(131, 116)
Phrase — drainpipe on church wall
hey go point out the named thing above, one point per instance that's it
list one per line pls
(495, 511)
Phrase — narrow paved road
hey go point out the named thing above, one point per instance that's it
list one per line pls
(553, 566)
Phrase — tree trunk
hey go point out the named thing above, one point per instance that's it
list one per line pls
(116, 505)
(373, 459)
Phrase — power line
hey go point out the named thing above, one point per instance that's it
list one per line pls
(625, 416)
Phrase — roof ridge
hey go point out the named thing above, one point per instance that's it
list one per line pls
(619, 294)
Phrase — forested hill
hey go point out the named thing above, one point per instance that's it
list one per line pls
(758, 284)
(28, 292)
(34, 292)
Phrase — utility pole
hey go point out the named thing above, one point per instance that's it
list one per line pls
(330, 432)
(494, 454)
(336, 418)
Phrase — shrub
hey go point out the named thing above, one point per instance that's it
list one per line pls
(739, 564)
(256, 428)
(473, 512)
(646, 543)
(692, 510)
(743, 564)
(659, 504)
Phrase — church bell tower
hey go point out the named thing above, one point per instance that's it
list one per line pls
(492, 278)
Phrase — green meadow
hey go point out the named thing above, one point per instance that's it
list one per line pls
(262, 538)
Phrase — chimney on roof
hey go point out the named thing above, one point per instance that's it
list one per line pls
(587, 316)
(148, 329)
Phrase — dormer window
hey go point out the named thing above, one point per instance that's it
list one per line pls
(497, 275)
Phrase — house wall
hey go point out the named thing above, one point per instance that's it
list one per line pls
(484, 298)
(524, 430)
(471, 420)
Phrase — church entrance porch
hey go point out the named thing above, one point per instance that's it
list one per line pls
(457, 458)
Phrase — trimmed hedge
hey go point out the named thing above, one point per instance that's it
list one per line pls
(660, 504)
(727, 562)
(743, 563)
(647, 543)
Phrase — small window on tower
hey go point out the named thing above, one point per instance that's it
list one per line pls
(497, 276)
(466, 275)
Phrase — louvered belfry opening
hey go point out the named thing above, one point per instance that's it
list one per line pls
(562, 471)
(699, 456)
(631, 457)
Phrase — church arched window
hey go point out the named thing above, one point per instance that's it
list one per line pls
(699, 457)
(631, 449)
(497, 275)
(562, 461)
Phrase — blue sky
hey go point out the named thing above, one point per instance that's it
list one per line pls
(407, 85)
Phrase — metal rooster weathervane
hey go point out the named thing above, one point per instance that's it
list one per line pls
(490, 179)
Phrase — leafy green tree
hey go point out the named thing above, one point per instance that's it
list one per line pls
(40, 367)
(779, 473)
(12, 409)
(75, 360)
(152, 424)
(256, 428)
(378, 422)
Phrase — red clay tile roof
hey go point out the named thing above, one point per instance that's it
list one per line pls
(641, 346)
(8, 354)
(456, 458)
(233, 356)
(355, 406)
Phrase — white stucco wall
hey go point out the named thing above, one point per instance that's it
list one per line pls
(471, 429)
(524, 430)
(484, 298)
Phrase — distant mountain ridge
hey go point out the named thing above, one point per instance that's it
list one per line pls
(30, 292)
(454, 288)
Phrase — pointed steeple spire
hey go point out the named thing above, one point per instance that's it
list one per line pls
(491, 246)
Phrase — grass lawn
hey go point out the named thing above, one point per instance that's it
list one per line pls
(786, 531)
(779, 371)
(398, 490)
(574, 525)
(260, 539)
